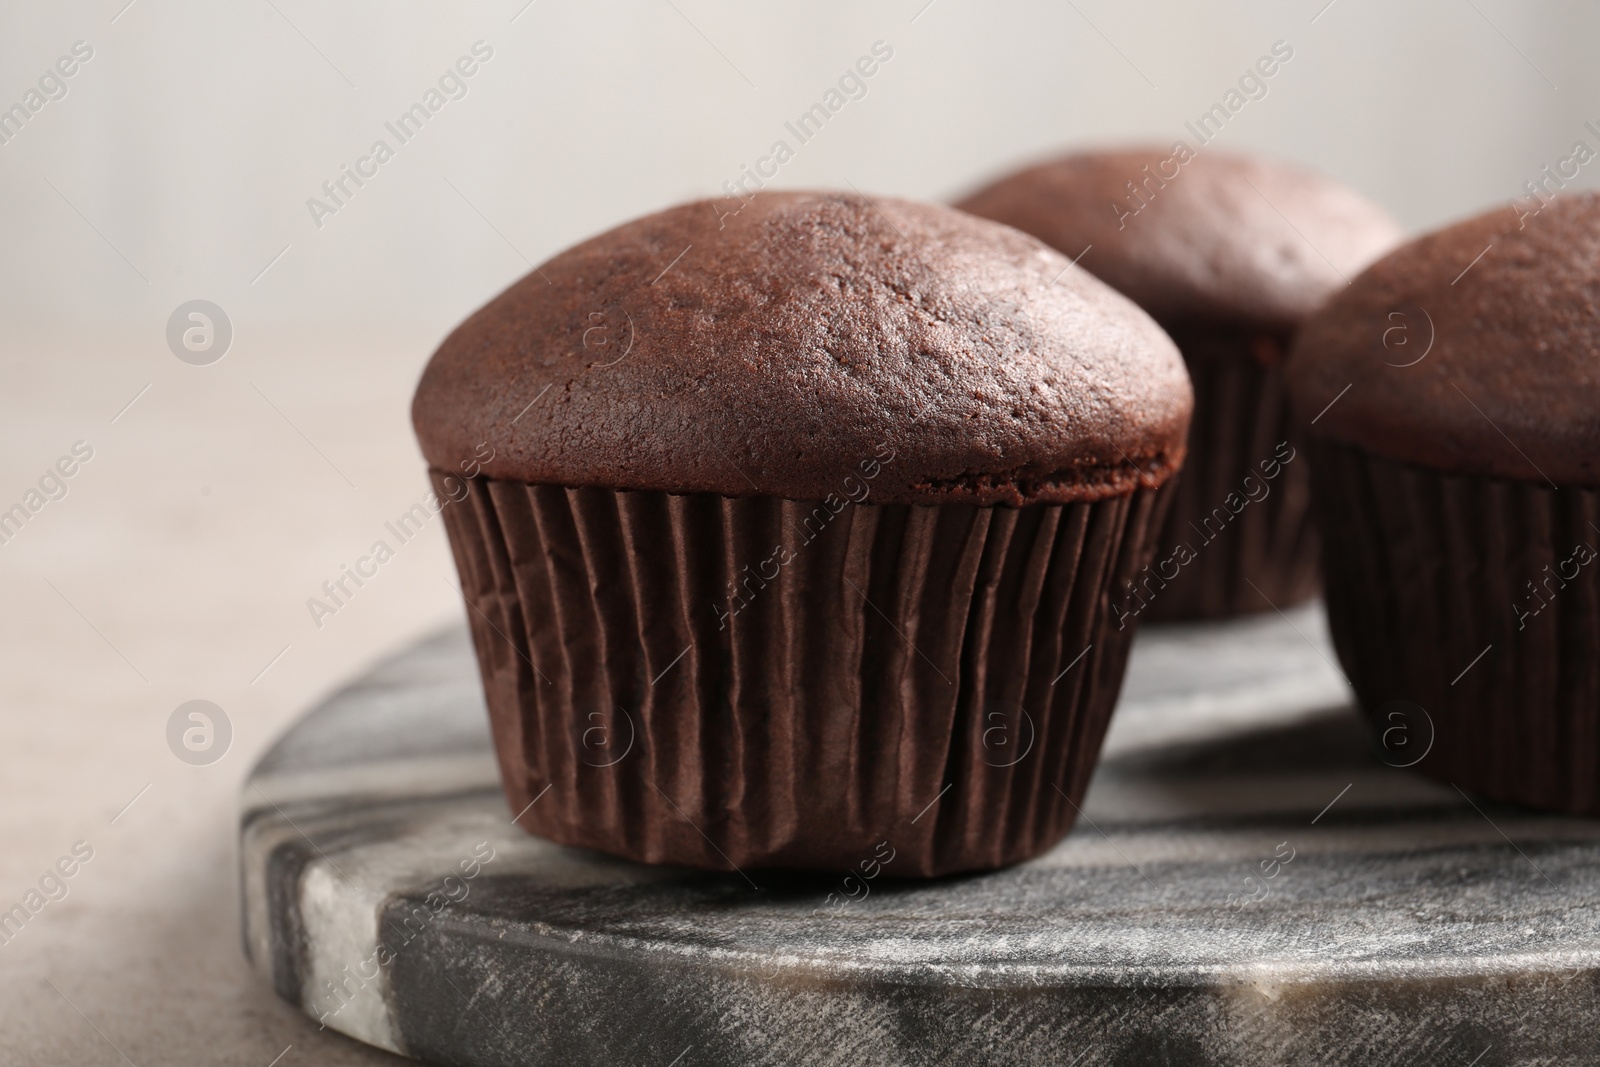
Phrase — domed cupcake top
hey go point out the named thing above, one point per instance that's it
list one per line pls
(1475, 349)
(1197, 235)
(782, 346)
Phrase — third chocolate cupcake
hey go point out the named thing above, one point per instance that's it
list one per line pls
(1228, 254)
(1452, 398)
(794, 527)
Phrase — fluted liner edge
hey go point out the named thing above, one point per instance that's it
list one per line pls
(1429, 602)
(935, 678)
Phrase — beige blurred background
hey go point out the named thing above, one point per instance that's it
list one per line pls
(177, 166)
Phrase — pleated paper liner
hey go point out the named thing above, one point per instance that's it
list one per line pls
(1239, 537)
(1479, 600)
(754, 682)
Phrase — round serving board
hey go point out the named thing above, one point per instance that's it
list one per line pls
(1248, 885)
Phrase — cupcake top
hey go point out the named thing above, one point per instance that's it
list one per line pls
(1472, 350)
(1197, 236)
(784, 345)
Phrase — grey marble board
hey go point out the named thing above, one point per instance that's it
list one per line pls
(1249, 885)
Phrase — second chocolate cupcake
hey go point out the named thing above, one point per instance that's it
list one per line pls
(1229, 254)
(1453, 409)
(797, 532)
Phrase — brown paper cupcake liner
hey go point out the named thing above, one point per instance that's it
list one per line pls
(734, 683)
(1235, 540)
(1479, 600)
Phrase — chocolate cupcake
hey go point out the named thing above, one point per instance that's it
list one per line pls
(1452, 408)
(794, 529)
(1229, 255)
